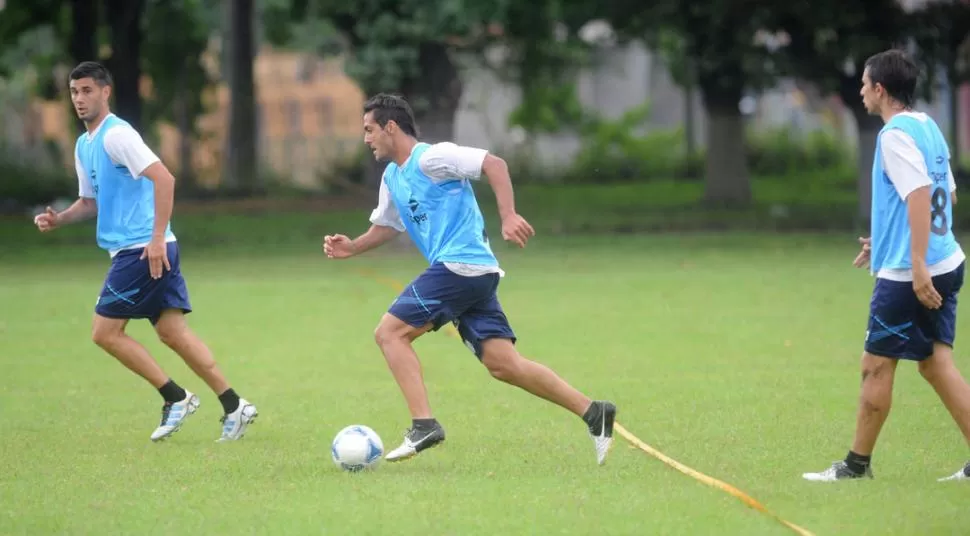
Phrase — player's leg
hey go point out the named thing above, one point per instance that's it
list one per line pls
(939, 370)
(485, 330)
(942, 374)
(109, 334)
(429, 302)
(173, 330)
(394, 337)
(505, 363)
(893, 333)
(128, 292)
(875, 401)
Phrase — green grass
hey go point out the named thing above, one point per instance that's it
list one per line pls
(734, 354)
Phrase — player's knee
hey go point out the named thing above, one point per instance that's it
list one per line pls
(391, 330)
(386, 334)
(936, 365)
(876, 368)
(104, 336)
(501, 360)
(173, 337)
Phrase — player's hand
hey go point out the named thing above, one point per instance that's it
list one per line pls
(157, 255)
(516, 229)
(923, 287)
(862, 259)
(338, 246)
(46, 221)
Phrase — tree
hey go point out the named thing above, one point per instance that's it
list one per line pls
(942, 35)
(125, 20)
(717, 40)
(173, 61)
(408, 47)
(240, 171)
(829, 43)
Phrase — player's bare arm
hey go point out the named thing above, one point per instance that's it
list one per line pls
(342, 247)
(164, 183)
(83, 209)
(862, 259)
(514, 227)
(918, 210)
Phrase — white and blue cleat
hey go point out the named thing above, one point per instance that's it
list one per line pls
(174, 414)
(234, 424)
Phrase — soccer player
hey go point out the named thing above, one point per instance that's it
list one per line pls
(426, 192)
(131, 192)
(917, 262)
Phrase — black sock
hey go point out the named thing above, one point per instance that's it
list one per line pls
(171, 392)
(593, 413)
(857, 462)
(230, 400)
(424, 424)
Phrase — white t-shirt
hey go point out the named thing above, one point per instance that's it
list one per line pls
(125, 147)
(906, 168)
(440, 162)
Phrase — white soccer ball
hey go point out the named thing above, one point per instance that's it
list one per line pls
(356, 447)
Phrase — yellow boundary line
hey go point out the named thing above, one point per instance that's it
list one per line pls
(636, 442)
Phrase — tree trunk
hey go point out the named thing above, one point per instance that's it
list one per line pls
(868, 129)
(727, 181)
(240, 169)
(183, 121)
(869, 126)
(954, 123)
(690, 123)
(124, 18)
(435, 95)
(84, 25)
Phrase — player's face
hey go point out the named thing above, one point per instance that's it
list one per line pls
(377, 138)
(88, 98)
(869, 94)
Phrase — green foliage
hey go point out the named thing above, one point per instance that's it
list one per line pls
(548, 108)
(26, 182)
(713, 41)
(941, 31)
(619, 150)
(173, 59)
(779, 151)
(384, 36)
(545, 54)
(21, 21)
(825, 38)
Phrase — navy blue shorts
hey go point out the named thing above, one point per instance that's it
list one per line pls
(901, 328)
(439, 296)
(130, 292)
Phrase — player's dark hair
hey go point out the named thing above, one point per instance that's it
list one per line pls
(896, 72)
(93, 70)
(392, 108)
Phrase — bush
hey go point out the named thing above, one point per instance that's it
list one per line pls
(611, 152)
(778, 151)
(24, 183)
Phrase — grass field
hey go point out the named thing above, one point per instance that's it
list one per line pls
(734, 354)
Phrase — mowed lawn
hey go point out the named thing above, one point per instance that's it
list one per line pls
(736, 355)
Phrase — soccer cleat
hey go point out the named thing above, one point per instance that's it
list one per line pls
(962, 474)
(602, 414)
(415, 441)
(174, 414)
(838, 471)
(234, 424)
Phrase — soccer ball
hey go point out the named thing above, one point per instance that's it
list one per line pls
(356, 447)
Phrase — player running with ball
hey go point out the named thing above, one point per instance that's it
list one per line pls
(425, 191)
